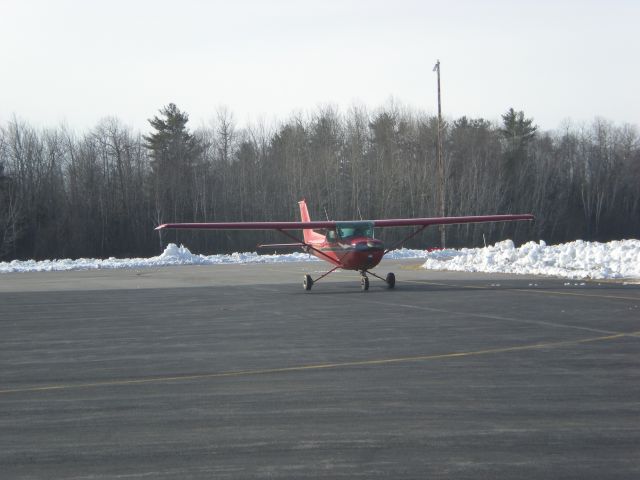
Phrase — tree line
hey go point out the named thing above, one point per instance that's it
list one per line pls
(101, 193)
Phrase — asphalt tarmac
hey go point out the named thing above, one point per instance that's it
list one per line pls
(236, 372)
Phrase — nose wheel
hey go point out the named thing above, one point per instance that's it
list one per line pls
(364, 282)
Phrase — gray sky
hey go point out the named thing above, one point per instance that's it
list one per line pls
(79, 61)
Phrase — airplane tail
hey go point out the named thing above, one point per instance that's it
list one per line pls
(304, 212)
(309, 235)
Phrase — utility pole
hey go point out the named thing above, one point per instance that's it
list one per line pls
(441, 182)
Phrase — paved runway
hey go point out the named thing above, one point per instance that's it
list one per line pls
(236, 372)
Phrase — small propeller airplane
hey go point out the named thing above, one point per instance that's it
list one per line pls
(349, 245)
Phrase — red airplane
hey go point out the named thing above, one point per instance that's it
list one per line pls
(349, 245)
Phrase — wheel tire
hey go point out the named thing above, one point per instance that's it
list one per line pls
(391, 280)
(364, 283)
(307, 283)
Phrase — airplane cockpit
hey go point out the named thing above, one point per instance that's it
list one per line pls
(346, 230)
(332, 236)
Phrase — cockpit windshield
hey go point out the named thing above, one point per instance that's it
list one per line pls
(354, 229)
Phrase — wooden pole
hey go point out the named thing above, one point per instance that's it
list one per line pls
(441, 180)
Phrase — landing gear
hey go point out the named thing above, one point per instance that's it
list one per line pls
(307, 283)
(391, 280)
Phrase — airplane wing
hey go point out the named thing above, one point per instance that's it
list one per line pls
(392, 222)
(249, 225)
(425, 222)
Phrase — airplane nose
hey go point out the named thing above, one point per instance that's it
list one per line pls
(362, 246)
(369, 245)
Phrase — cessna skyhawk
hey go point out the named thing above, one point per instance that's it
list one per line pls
(348, 245)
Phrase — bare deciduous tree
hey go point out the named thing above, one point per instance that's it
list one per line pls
(101, 193)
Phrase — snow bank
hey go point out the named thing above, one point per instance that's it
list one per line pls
(173, 255)
(576, 260)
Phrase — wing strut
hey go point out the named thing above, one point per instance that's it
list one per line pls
(310, 247)
(397, 244)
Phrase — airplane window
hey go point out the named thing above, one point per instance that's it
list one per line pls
(359, 229)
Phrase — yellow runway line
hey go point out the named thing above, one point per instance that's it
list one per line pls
(539, 291)
(303, 368)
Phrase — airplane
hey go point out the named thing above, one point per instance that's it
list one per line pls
(348, 245)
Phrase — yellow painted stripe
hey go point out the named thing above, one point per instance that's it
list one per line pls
(539, 291)
(302, 368)
(572, 294)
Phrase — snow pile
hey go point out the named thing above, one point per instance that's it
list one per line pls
(576, 260)
(173, 255)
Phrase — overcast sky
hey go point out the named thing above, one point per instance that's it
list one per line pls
(79, 61)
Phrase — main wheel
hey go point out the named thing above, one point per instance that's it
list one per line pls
(391, 280)
(364, 283)
(307, 283)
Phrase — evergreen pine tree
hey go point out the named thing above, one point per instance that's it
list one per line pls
(174, 153)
